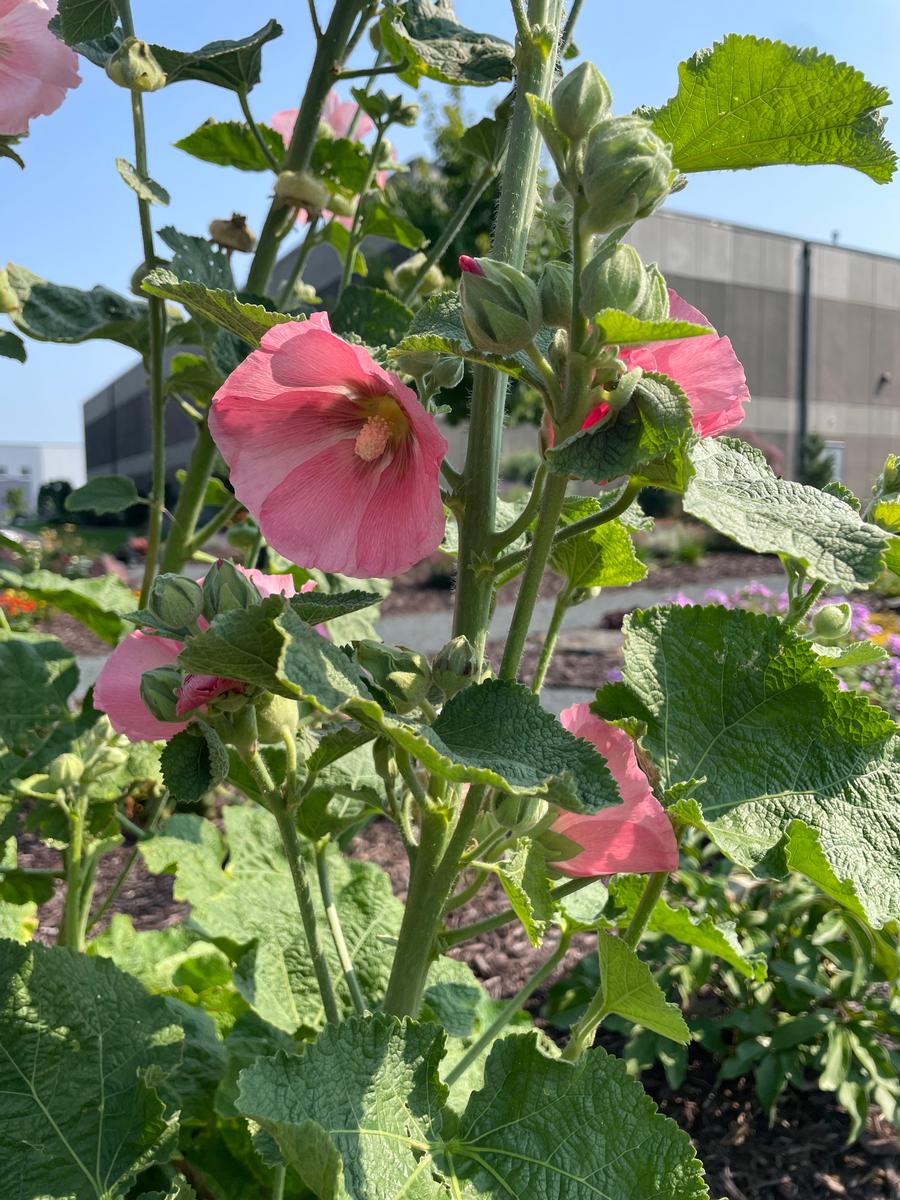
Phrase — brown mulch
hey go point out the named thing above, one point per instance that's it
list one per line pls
(73, 635)
(803, 1156)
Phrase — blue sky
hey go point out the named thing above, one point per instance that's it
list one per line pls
(70, 218)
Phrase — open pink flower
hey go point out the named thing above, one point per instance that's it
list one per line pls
(36, 69)
(706, 369)
(118, 688)
(333, 455)
(634, 836)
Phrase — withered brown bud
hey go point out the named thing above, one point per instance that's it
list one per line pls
(233, 234)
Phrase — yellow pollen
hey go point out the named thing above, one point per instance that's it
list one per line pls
(373, 439)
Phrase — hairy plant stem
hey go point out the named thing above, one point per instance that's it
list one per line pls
(560, 608)
(452, 937)
(190, 504)
(518, 193)
(509, 1009)
(337, 932)
(355, 229)
(434, 872)
(297, 866)
(455, 223)
(303, 252)
(330, 50)
(801, 604)
(71, 929)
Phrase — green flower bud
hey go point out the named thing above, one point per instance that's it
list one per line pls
(628, 172)
(159, 691)
(302, 190)
(655, 305)
(65, 771)
(383, 757)
(403, 275)
(407, 114)
(448, 371)
(175, 601)
(501, 307)
(615, 279)
(453, 667)
(273, 715)
(556, 294)
(580, 100)
(831, 623)
(134, 67)
(225, 589)
(404, 674)
(519, 813)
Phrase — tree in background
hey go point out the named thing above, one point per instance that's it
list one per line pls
(51, 502)
(816, 462)
(14, 502)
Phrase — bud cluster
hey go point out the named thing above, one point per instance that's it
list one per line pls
(501, 306)
(616, 278)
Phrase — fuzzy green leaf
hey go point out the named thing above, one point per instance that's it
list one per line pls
(751, 102)
(732, 699)
(629, 989)
(603, 557)
(37, 677)
(83, 1049)
(229, 64)
(427, 35)
(104, 494)
(145, 187)
(12, 346)
(196, 260)
(232, 144)
(524, 878)
(618, 328)
(84, 20)
(100, 604)
(194, 762)
(379, 220)
(736, 492)
(376, 316)
(248, 321)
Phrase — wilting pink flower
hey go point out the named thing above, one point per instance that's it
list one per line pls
(338, 115)
(36, 69)
(118, 688)
(706, 369)
(333, 455)
(634, 836)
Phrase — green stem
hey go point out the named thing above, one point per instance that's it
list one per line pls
(434, 872)
(515, 213)
(112, 895)
(330, 50)
(800, 606)
(509, 1010)
(452, 937)
(653, 889)
(257, 136)
(86, 897)
(354, 239)
(457, 220)
(254, 552)
(190, 502)
(560, 608)
(539, 552)
(337, 932)
(393, 68)
(212, 526)
(309, 240)
(70, 924)
(278, 1183)
(505, 537)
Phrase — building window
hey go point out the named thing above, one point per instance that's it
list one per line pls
(835, 451)
(26, 470)
(2, 470)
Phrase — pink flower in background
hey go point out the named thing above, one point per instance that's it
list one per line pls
(118, 688)
(706, 369)
(634, 836)
(36, 69)
(333, 455)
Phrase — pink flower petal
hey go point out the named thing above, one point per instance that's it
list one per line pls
(634, 836)
(198, 690)
(274, 585)
(36, 69)
(118, 688)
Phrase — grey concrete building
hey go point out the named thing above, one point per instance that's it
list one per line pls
(816, 326)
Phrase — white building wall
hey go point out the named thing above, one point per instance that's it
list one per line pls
(28, 466)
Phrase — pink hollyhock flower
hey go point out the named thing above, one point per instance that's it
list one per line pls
(36, 69)
(634, 836)
(706, 369)
(118, 688)
(333, 455)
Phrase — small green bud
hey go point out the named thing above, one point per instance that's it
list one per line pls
(831, 623)
(225, 589)
(175, 601)
(556, 294)
(558, 354)
(65, 771)
(580, 100)
(404, 273)
(383, 757)
(159, 691)
(519, 813)
(407, 114)
(302, 190)
(655, 305)
(134, 67)
(274, 714)
(501, 307)
(453, 667)
(404, 674)
(448, 371)
(628, 172)
(614, 279)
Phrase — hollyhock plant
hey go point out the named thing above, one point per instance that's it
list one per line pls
(333, 455)
(118, 688)
(635, 836)
(705, 367)
(36, 70)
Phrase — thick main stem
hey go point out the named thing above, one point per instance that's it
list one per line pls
(70, 933)
(330, 50)
(191, 501)
(515, 212)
